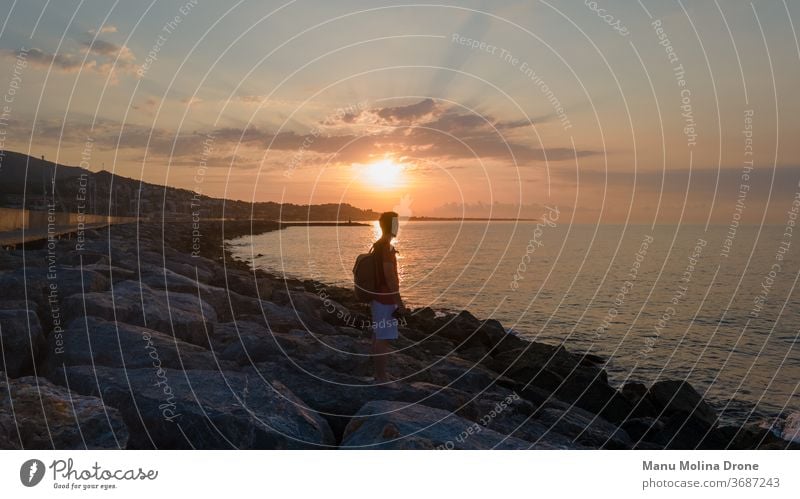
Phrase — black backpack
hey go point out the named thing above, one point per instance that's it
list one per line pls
(368, 275)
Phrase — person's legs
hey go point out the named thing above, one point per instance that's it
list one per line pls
(384, 329)
(379, 350)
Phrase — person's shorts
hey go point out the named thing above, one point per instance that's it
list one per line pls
(383, 324)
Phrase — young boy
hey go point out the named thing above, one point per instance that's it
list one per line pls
(387, 304)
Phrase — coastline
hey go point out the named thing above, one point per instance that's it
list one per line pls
(198, 350)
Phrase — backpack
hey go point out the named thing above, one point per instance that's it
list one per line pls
(367, 272)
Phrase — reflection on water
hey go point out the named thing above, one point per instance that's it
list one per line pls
(680, 308)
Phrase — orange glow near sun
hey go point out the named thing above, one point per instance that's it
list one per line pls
(383, 174)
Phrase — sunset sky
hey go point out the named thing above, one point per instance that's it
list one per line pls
(382, 105)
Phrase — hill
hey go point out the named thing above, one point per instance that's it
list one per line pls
(33, 183)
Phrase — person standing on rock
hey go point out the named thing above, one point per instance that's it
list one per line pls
(387, 307)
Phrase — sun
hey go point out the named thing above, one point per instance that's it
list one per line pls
(383, 174)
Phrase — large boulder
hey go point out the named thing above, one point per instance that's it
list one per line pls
(244, 283)
(21, 340)
(682, 430)
(504, 411)
(462, 374)
(318, 305)
(280, 318)
(535, 357)
(9, 260)
(227, 333)
(77, 258)
(307, 303)
(253, 345)
(636, 394)
(111, 272)
(429, 344)
(194, 266)
(224, 301)
(183, 315)
(47, 287)
(790, 427)
(203, 409)
(678, 396)
(641, 428)
(257, 344)
(383, 424)
(339, 395)
(584, 427)
(97, 342)
(572, 378)
(752, 437)
(36, 414)
(465, 330)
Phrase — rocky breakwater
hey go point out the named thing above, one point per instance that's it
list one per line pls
(147, 337)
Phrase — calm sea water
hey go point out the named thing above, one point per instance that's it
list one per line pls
(666, 302)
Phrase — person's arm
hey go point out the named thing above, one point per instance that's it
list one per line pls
(393, 280)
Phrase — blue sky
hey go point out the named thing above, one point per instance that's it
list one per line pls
(462, 125)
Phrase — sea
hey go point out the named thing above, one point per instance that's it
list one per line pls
(717, 306)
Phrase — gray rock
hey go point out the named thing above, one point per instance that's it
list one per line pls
(224, 301)
(639, 428)
(186, 316)
(95, 341)
(76, 258)
(251, 345)
(506, 412)
(9, 261)
(21, 339)
(226, 333)
(46, 416)
(236, 280)
(200, 409)
(751, 437)
(682, 430)
(584, 427)
(674, 396)
(431, 345)
(463, 375)
(636, 393)
(48, 288)
(464, 331)
(573, 378)
(384, 424)
(111, 272)
(339, 395)
(534, 357)
(197, 268)
(249, 349)
(265, 287)
(281, 319)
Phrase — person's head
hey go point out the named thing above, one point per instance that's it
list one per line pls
(389, 223)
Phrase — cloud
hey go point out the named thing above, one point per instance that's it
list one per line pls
(108, 28)
(250, 98)
(409, 113)
(191, 100)
(101, 47)
(421, 132)
(149, 104)
(121, 53)
(428, 129)
(455, 123)
(39, 58)
(97, 56)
